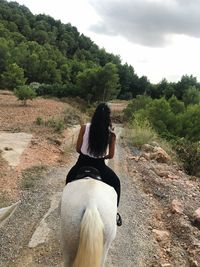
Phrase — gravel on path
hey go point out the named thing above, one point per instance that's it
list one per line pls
(37, 213)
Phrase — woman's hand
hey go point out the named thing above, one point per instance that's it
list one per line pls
(112, 129)
(107, 157)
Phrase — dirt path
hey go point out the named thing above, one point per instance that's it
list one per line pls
(30, 238)
(130, 247)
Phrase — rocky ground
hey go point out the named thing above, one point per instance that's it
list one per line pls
(157, 204)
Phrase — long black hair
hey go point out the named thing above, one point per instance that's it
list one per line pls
(99, 131)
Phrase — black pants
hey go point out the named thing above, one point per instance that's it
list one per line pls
(107, 174)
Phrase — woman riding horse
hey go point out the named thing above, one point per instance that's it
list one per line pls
(93, 141)
(89, 206)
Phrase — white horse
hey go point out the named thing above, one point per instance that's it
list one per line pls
(88, 222)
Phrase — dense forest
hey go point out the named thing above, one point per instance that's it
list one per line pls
(39, 49)
(62, 62)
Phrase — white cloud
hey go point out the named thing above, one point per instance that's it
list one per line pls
(148, 22)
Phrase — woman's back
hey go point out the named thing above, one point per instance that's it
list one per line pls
(85, 143)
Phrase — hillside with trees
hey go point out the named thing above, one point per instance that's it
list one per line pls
(39, 49)
(62, 62)
(42, 56)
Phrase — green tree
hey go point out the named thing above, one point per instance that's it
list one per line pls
(108, 82)
(86, 83)
(143, 86)
(25, 93)
(4, 54)
(128, 81)
(161, 116)
(99, 84)
(140, 102)
(185, 82)
(163, 89)
(191, 123)
(191, 96)
(40, 36)
(13, 76)
(176, 105)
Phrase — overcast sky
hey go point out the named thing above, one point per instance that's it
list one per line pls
(159, 38)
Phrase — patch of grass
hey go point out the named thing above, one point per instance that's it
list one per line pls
(73, 116)
(76, 102)
(141, 133)
(57, 124)
(31, 176)
(40, 121)
(189, 154)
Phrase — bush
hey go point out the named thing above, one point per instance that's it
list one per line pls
(189, 154)
(140, 102)
(57, 124)
(76, 102)
(39, 121)
(25, 93)
(57, 90)
(140, 131)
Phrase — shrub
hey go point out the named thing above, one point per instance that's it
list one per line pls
(57, 90)
(73, 116)
(189, 154)
(56, 124)
(140, 131)
(25, 93)
(140, 102)
(39, 121)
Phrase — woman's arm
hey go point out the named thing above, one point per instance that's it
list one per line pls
(80, 139)
(111, 148)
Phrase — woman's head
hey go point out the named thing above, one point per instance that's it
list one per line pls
(102, 115)
(99, 130)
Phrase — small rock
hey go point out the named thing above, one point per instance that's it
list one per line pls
(166, 265)
(196, 215)
(172, 176)
(7, 148)
(196, 218)
(160, 155)
(161, 173)
(161, 235)
(196, 242)
(194, 263)
(176, 206)
(34, 142)
(147, 148)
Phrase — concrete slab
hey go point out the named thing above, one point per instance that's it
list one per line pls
(13, 145)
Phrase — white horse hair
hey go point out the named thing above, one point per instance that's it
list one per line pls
(88, 222)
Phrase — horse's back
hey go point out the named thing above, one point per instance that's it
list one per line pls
(88, 193)
(76, 198)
